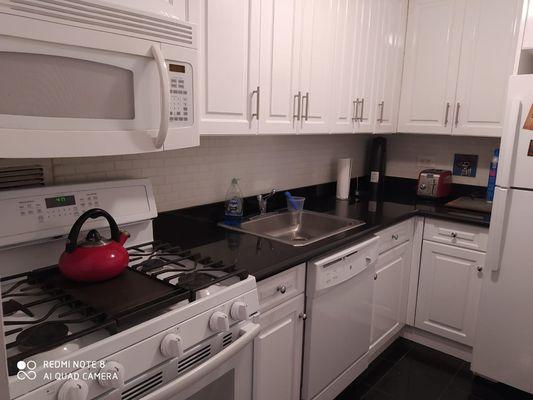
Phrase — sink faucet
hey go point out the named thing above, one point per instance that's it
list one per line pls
(262, 200)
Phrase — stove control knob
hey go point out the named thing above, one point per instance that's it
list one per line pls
(74, 389)
(219, 322)
(171, 346)
(112, 375)
(239, 311)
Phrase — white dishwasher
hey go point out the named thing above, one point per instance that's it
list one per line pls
(339, 314)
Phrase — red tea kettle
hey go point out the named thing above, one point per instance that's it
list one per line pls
(95, 259)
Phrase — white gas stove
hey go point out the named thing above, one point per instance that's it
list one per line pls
(174, 324)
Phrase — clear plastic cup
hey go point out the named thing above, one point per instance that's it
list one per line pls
(298, 201)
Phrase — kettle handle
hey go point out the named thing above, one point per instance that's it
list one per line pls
(92, 213)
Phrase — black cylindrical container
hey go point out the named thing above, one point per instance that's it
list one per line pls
(378, 159)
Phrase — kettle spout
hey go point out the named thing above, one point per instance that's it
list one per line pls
(123, 237)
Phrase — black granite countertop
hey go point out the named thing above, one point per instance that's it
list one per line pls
(196, 228)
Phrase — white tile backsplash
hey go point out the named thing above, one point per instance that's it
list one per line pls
(403, 150)
(200, 175)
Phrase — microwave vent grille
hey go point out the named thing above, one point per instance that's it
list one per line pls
(21, 177)
(108, 18)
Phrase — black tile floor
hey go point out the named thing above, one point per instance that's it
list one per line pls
(410, 371)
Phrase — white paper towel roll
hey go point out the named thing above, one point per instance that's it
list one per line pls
(344, 173)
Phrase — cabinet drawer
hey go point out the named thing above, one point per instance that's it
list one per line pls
(281, 287)
(394, 236)
(456, 234)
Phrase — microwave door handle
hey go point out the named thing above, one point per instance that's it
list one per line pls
(165, 96)
(248, 332)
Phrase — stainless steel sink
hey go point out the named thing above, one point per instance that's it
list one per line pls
(296, 228)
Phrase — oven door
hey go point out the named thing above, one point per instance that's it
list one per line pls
(69, 91)
(225, 376)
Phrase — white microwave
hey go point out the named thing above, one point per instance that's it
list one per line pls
(86, 78)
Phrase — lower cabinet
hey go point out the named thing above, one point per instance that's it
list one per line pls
(391, 285)
(278, 352)
(449, 290)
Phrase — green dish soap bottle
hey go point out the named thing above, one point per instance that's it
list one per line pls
(233, 205)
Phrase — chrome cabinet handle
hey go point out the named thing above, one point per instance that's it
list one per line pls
(381, 106)
(395, 236)
(256, 114)
(375, 277)
(446, 114)
(457, 108)
(453, 234)
(302, 316)
(355, 110)
(297, 97)
(306, 97)
(479, 268)
(362, 109)
(282, 289)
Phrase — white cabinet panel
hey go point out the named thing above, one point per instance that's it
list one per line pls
(367, 24)
(229, 74)
(280, 66)
(342, 108)
(278, 352)
(431, 64)
(316, 64)
(487, 59)
(391, 283)
(390, 63)
(449, 290)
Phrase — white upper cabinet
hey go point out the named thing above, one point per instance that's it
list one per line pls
(280, 109)
(433, 46)
(342, 104)
(367, 22)
(316, 66)
(490, 35)
(390, 63)
(229, 68)
(459, 56)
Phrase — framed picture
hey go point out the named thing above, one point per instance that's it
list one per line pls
(465, 165)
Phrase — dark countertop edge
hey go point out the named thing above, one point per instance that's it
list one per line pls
(277, 268)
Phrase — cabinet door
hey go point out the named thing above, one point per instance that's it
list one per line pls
(229, 66)
(280, 101)
(433, 45)
(390, 46)
(367, 24)
(487, 57)
(316, 64)
(448, 291)
(391, 283)
(342, 108)
(278, 352)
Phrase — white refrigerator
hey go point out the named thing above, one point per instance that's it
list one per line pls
(503, 346)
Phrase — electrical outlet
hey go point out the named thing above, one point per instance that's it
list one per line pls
(425, 161)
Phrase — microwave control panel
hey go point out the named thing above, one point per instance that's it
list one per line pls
(181, 94)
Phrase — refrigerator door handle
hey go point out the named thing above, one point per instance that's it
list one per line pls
(498, 224)
(509, 143)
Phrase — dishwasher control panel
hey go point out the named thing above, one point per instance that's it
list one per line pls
(343, 265)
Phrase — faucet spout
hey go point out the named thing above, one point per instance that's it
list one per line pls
(262, 200)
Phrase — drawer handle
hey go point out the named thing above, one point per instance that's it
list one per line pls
(395, 236)
(282, 289)
(479, 268)
(453, 235)
(375, 277)
(302, 316)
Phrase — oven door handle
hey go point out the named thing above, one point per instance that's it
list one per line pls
(249, 331)
(165, 96)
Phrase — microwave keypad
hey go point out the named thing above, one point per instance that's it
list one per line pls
(180, 98)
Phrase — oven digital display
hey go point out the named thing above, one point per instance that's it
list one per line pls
(176, 68)
(60, 201)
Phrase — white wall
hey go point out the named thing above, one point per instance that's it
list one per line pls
(403, 150)
(201, 175)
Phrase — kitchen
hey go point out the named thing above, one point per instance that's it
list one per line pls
(248, 199)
